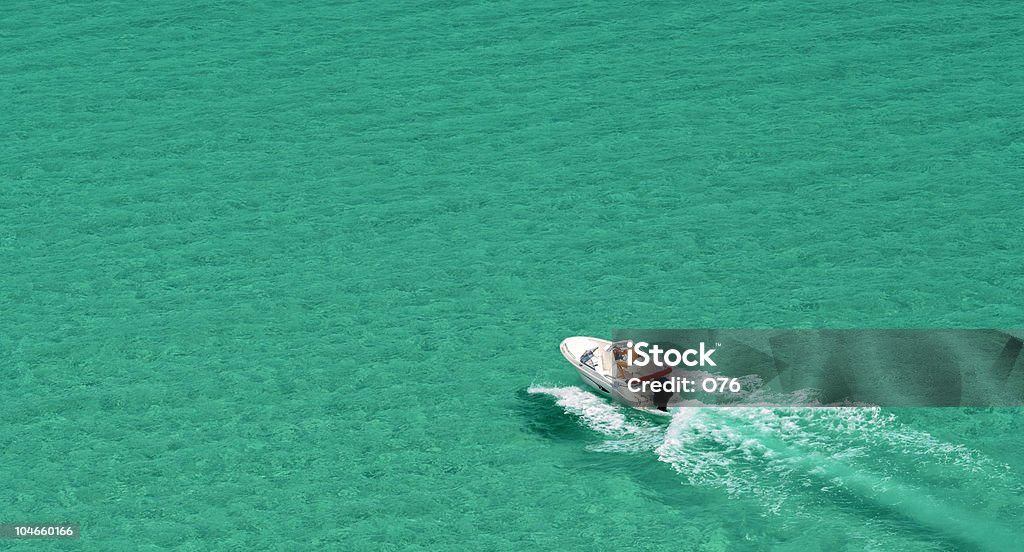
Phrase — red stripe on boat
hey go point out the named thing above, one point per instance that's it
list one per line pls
(656, 375)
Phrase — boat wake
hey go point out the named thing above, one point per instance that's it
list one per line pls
(803, 461)
(625, 430)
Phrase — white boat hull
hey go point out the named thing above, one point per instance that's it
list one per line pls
(597, 368)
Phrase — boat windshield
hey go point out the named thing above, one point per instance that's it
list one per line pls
(590, 358)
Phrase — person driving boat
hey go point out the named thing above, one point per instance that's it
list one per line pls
(621, 355)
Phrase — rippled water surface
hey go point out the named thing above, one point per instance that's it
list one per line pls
(293, 277)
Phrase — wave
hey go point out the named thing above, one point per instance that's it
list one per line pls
(602, 416)
(803, 461)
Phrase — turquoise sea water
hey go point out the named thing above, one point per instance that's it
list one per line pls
(293, 276)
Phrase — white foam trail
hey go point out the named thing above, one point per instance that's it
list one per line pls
(708, 453)
(803, 461)
(742, 449)
(596, 413)
(606, 418)
(806, 461)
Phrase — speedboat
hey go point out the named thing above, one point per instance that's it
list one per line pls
(595, 361)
